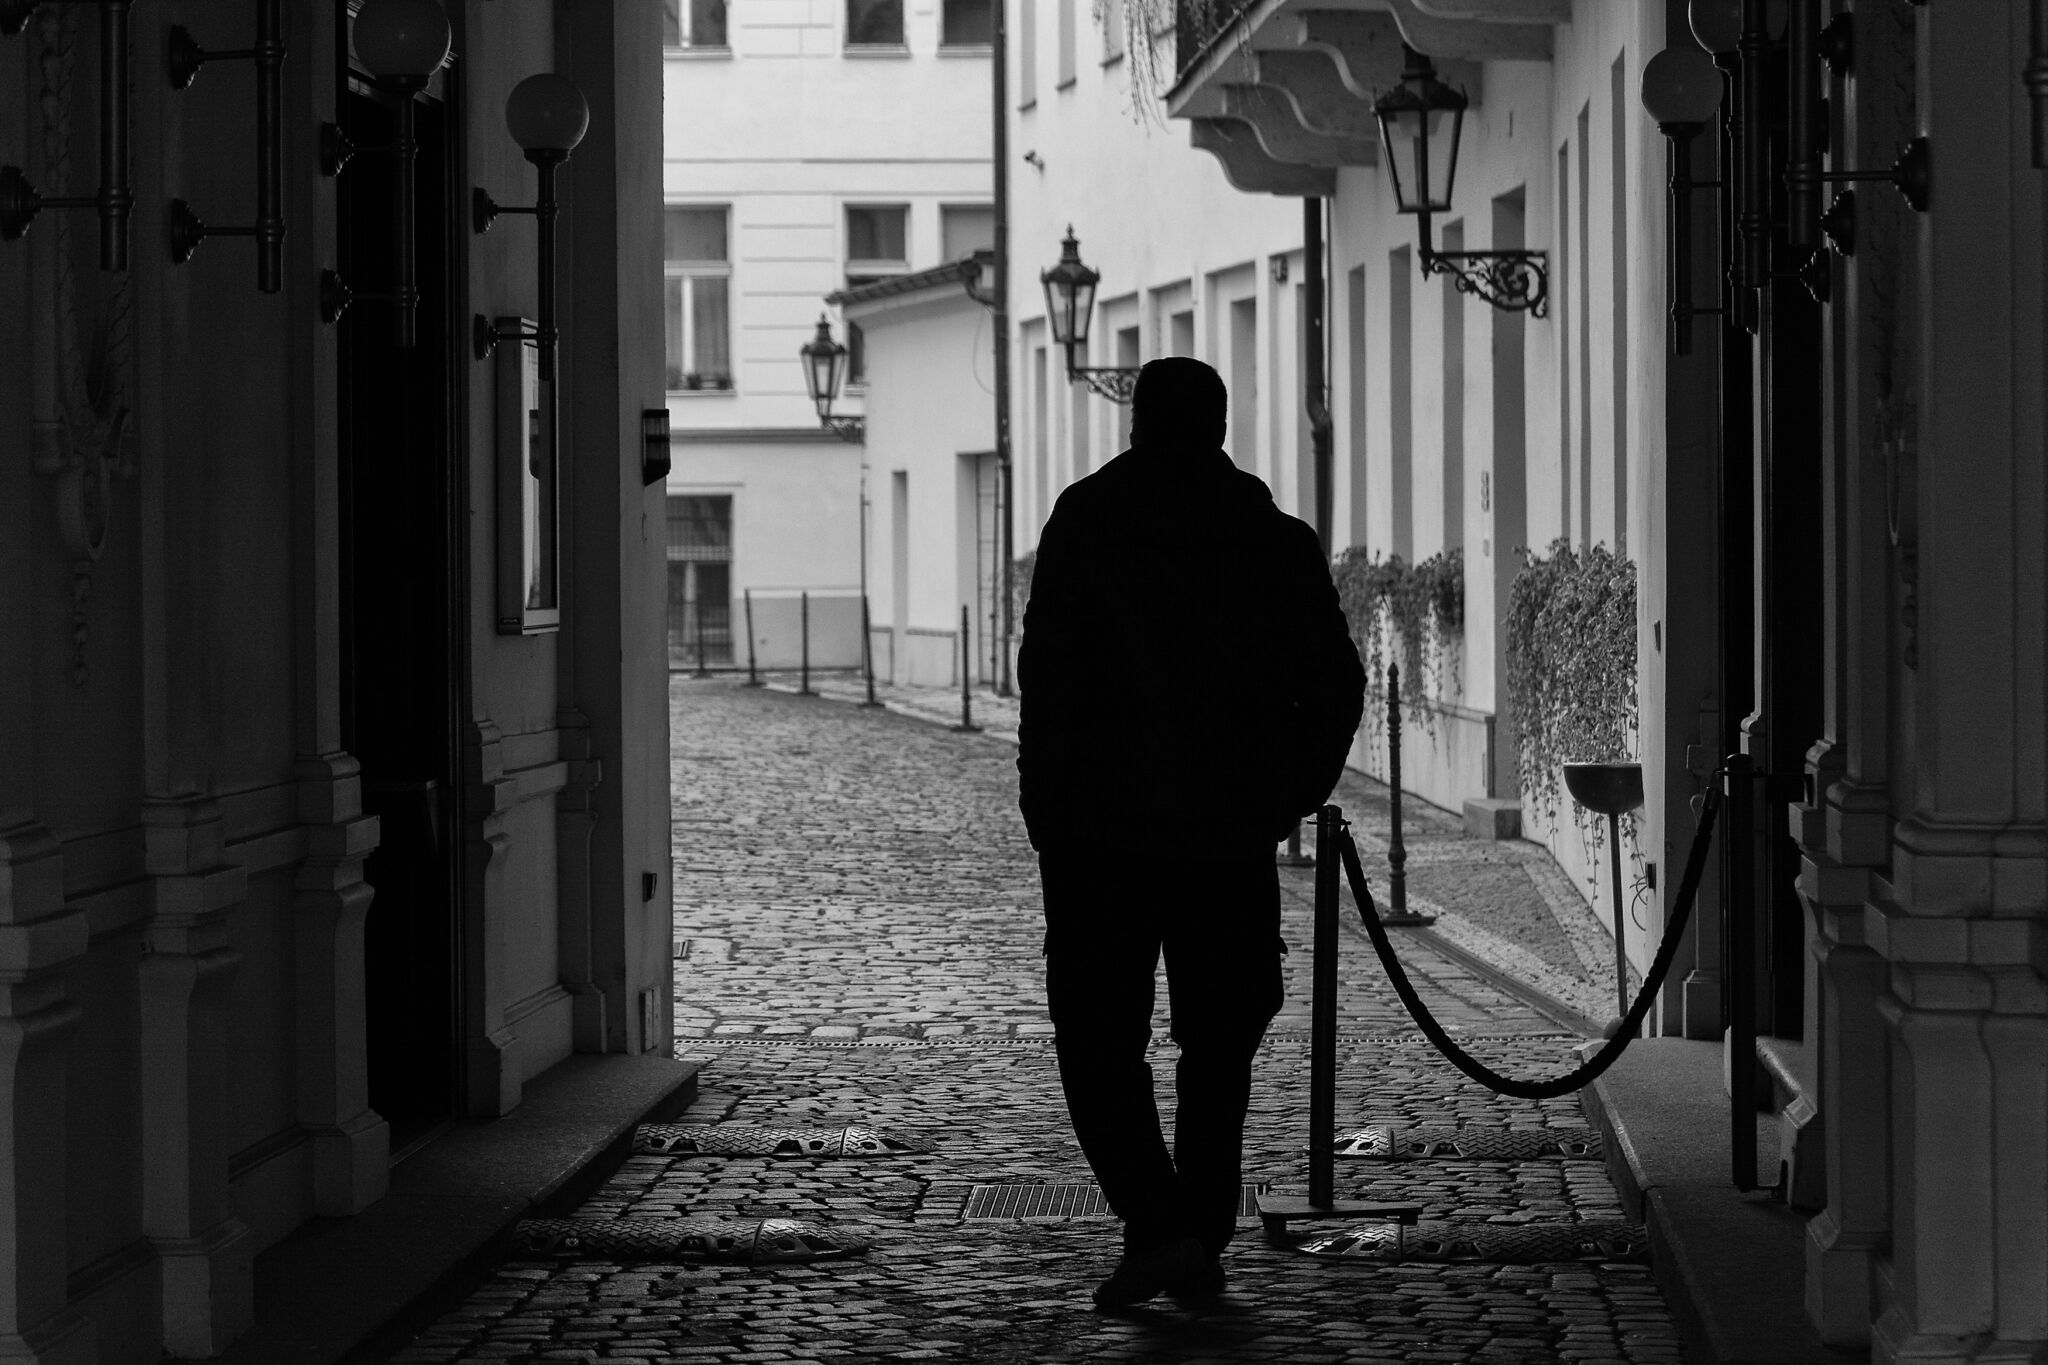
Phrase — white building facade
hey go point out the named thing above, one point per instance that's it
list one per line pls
(811, 146)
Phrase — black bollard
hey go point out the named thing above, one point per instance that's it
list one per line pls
(804, 686)
(966, 724)
(753, 677)
(1397, 850)
(867, 657)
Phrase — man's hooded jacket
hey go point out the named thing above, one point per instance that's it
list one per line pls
(1186, 670)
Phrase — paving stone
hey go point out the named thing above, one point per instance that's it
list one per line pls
(867, 908)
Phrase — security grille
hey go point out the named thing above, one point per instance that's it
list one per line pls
(745, 1139)
(988, 1203)
(1386, 1142)
(699, 580)
(751, 1240)
(1492, 1243)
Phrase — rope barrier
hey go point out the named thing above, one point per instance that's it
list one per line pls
(1586, 1072)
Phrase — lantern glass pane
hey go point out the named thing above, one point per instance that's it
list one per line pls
(1441, 144)
(1083, 312)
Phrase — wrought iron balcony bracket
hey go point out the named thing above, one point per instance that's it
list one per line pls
(1114, 382)
(852, 429)
(1513, 281)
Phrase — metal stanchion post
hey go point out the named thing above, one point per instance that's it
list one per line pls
(1276, 1211)
(804, 686)
(966, 674)
(867, 657)
(1397, 848)
(1741, 960)
(753, 676)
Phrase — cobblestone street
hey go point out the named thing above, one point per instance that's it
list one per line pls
(857, 929)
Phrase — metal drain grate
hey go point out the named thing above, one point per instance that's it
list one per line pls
(750, 1240)
(1492, 1243)
(988, 1203)
(1386, 1142)
(746, 1139)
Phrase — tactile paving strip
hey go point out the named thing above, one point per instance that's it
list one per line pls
(1385, 1142)
(750, 1240)
(987, 1203)
(743, 1139)
(1493, 1243)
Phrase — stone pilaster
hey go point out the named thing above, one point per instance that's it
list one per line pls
(188, 965)
(351, 1142)
(575, 819)
(492, 1084)
(37, 940)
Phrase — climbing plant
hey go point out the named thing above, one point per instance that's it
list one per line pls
(1571, 670)
(1422, 607)
(1159, 33)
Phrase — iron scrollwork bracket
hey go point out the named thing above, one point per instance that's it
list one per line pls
(1514, 281)
(1114, 382)
(854, 429)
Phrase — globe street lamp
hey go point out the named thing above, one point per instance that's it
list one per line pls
(1421, 120)
(1681, 90)
(547, 116)
(1070, 304)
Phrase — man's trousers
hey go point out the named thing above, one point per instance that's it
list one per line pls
(1109, 916)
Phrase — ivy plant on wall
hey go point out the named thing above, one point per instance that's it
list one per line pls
(1421, 608)
(1571, 670)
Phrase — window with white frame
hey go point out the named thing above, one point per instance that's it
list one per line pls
(877, 238)
(693, 23)
(965, 229)
(874, 23)
(966, 23)
(1112, 31)
(698, 309)
(1066, 40)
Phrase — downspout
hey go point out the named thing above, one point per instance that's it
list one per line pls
(999, 155)
(1314, 380)
(2035, 79)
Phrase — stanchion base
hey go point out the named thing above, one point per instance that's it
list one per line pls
(1296, 860)
(1276, 1211)
(965, 729)
(1407, 921)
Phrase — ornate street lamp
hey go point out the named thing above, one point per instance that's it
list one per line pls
(1070, 304)
(1420, 121)
(547, 116)
(1681, 91)
(824, 371)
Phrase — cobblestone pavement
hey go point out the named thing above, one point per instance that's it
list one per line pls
(856, 905)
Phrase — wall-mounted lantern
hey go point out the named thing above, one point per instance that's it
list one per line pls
(1070, 306)
(824, 371)
(19, 199)
(183, 58)
(403, 43)
(1682, 90)
(1421, 121)
(547, 116)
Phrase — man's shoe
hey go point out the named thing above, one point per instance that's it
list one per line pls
(1146, 1273)
(1205, 1283)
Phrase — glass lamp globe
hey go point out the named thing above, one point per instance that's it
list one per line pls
(546, 115)
(1717, 24)
(402, 40)
(1681, 87)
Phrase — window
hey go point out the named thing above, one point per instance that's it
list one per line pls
(966, 23)
(699, 580)
(1027, 55)
(698, 311)
(876, 236)
(1112, 31)
(965, 229)
(693, 23)
(1066, 36)
(874, 23)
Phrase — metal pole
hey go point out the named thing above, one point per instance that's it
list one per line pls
(1397, 850)
(1741, 968)
(703, 668)
(270, 146)
(966, 671)
(1620, 956)
(1322, 1057)
(117, 197)
(753, 676)
(999, 153)
(867, 657)
(804, 687)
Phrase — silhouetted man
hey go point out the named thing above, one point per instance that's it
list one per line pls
(1189, 693)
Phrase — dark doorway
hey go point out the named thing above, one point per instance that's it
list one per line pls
(402, 595)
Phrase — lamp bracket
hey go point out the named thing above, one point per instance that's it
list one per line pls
(1114, 382)
(484, 210)
(853, 429)
(484, 335)
(1513, 281)
(1911, 175)
(20, 203)
(186, 230)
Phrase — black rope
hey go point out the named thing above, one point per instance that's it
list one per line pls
(1585, 1073)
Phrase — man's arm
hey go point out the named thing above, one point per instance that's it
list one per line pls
(1047, 678)
(1332, 681)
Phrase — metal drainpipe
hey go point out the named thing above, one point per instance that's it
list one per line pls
(1000, 163)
